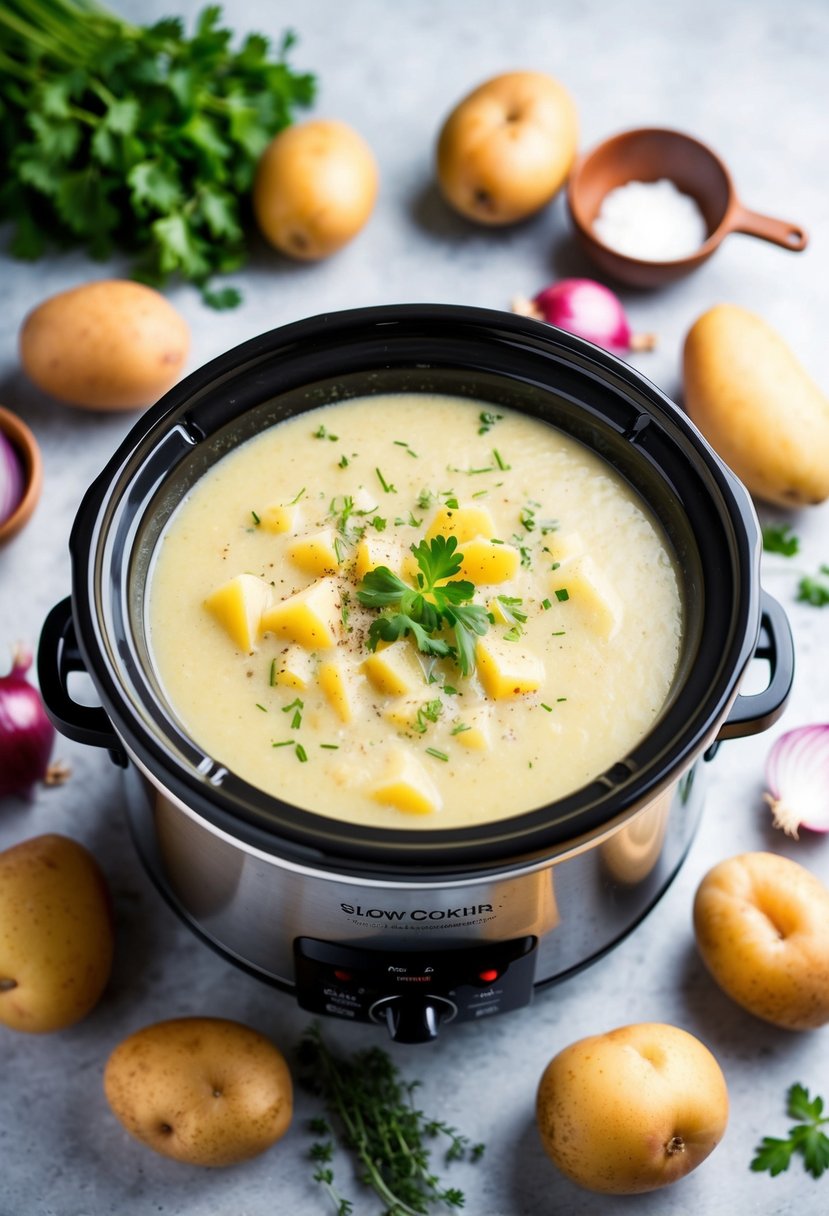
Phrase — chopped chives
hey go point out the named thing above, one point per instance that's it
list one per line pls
(389, 489)
(256, 518)
(460, 728)
(548, 708)
(499, 460)
(284, 743)
(481, 494)
(296, 721)
(559, 634)
(272, 676)
(546, 605)
(330, 747)
(262, 707)
(433, 751)
(493, 540)
(343, 462)
(559, 699)
(296, 500)
(301, 753)
(562, 594)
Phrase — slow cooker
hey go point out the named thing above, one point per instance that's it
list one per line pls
(414, 928)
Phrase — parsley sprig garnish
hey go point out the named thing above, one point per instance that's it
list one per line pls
(374, 1110)
(140, 138)
(432, 606)
(807, 1137)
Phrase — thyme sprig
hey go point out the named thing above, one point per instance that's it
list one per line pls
(374, 1111)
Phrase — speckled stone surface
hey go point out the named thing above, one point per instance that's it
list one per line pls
(751, 80)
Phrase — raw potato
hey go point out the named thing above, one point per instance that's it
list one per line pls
(200, 1090)
(762, 928)
(507, 147)
(757, 406)
(315, 188)
(632, 1110)
(56, 937)
(110, 345)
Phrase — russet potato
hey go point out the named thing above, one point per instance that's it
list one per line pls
(56, 935)
(205, 1091)
(507, 147)
(633, 1109)
(109, 345)
(757, 406)
(762, 929)
(315, 188)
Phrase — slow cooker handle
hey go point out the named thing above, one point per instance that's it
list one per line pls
(58, 656)
(752, 714)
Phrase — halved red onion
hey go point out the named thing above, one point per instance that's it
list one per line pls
(797, 774)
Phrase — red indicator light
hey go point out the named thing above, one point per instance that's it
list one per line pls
(344, 976)
(488, 976)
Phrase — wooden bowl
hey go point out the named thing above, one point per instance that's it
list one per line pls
(648, 154)
(25, 444)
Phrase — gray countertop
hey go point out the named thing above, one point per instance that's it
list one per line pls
(751, 80)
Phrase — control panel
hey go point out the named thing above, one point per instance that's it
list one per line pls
(413, 993)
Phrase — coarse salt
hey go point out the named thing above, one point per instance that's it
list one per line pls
(652, 221)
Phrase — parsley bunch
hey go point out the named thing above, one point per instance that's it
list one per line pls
(433, 604)
(136, 138)
(808, 1137)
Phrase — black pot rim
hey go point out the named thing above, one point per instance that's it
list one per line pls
(713, 498)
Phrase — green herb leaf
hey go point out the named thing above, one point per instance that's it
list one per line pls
(806, 1138)
(487, 421)
(779, 538)
(434, 603)
(814, 591)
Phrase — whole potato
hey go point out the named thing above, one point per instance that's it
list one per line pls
(762, 928)
(507, 147)
(757, 406)
(631, 1110)
(56, 937)
(110, 345)
(200, 1090)
(315, 188)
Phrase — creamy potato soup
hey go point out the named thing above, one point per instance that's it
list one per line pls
(414, 610)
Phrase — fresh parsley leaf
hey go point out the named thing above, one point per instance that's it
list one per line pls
(807, 1137)
(487, 421)
(433, 604)
(772, 1155)
(814, 591)
(779, 538)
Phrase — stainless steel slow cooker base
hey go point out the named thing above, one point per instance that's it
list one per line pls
(490, 943)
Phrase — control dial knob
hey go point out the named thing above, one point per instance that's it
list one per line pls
(413, 1017)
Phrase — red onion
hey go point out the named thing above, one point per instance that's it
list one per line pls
(12, 481)
(26, 734)
(797, 774)
(588, 309)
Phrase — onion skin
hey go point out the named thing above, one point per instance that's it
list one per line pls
(797, 774)
(26, 734)
(589, 310)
